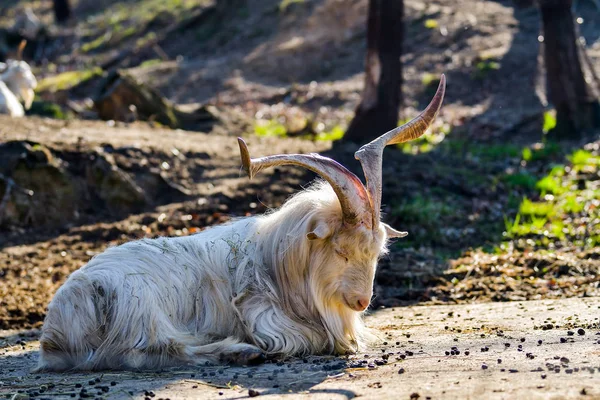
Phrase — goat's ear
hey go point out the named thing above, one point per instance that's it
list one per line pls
(321, 231)
(392, 233)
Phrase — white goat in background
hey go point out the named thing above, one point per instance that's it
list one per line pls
(292, 282)
(17, 82)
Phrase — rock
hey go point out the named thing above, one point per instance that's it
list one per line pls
(35, 189)
(39, 186)
(156, 184)
(123, 98)
(113, 186)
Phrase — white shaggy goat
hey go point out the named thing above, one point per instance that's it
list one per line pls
(292, 282)
(16, 82)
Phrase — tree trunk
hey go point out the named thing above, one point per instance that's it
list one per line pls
(62, 11)
(577, 108)
(378, 110)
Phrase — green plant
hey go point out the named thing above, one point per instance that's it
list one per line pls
(336, 133)
(150, 63)
(532, 208)
(562, 198)
(47, 109)
(520, 179)
(550, 184)
(484, 67)
(423, 211)
(284, 4)
(431, 23)
(580, 157)
(269, 128)
(67, 80)
(428, 79)
(549, 121)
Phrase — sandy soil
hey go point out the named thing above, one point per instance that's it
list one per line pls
(534, 350)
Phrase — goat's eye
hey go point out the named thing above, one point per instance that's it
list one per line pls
(344, 256)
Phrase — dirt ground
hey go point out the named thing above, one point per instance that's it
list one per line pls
(535, 350)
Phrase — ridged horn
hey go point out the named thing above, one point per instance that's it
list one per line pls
(371, 154)
(352, 194)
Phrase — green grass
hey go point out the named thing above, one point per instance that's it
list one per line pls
(122, 21)
(536, 209)
(562, 200)
(582, 158)
(520, 180)
(429, 79)
(96, 43)
(542, 151)
(285, 4)
(549, 121)
(431, 23)
(277, 129)
(336, 133)
(150, 63)
(67, 80)
(550, 185)
(494, 152)
(422, 211)
(47, 109)
(269, 128)
(484, 67)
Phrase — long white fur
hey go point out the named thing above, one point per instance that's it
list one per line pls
(9, 104)
(255, 285)
(16, 82)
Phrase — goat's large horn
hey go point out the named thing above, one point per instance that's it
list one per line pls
(370, 155)
(350, 191)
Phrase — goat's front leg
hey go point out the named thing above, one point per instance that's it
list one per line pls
(227, 351)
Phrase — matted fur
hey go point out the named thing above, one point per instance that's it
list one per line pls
(258, 284)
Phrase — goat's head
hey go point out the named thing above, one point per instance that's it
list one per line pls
(20, 80)
(348, 243)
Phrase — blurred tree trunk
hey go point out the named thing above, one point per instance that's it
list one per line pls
(62, 11)
(377, 112)
(577, 108)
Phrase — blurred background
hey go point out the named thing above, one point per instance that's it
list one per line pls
(120, 118)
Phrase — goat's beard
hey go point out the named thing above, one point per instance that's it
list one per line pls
(28, 95)
(344, 326)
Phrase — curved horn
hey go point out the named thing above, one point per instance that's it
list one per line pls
(370, 155)
(20, 49)
(350, 191)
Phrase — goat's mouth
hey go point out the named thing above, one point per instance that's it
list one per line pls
(356, 306)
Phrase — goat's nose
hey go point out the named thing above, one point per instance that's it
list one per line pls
(362, 303)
